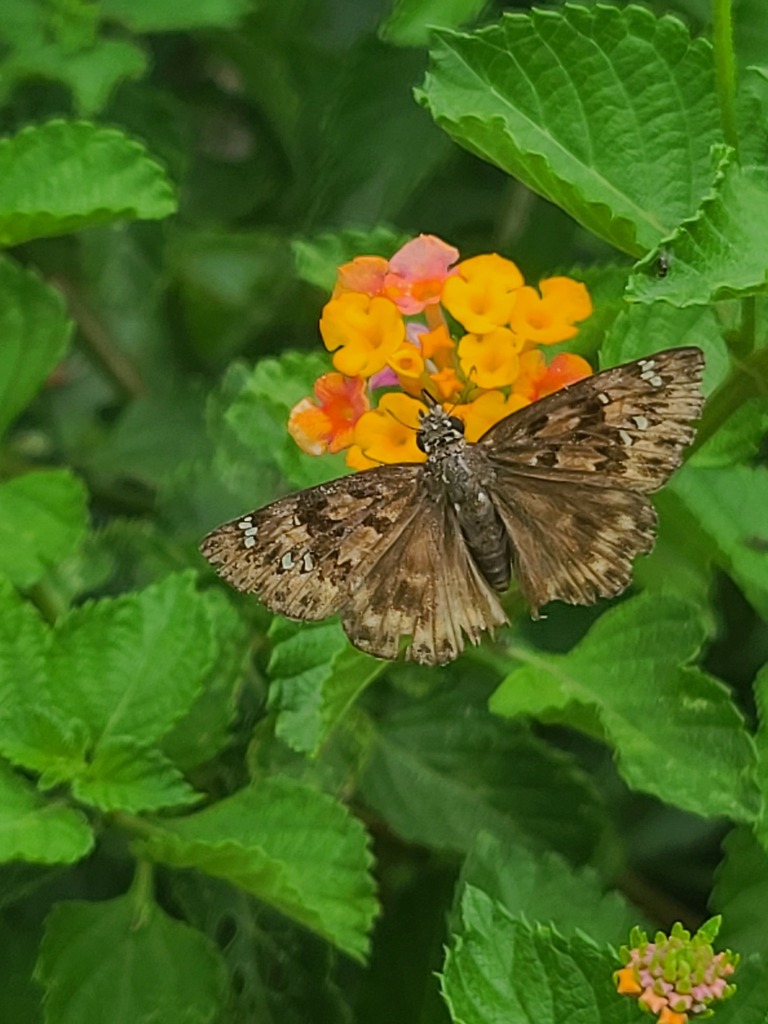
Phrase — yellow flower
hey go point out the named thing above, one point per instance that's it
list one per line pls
(550, 317)
(407, 362)
(388, 433)
(487, 410)
(362, 332)
(490, 360)
(481, 295)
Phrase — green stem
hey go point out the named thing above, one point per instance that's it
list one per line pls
(725, 69)
(143, 893)
(48, 601)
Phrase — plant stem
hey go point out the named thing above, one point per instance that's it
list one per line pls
(725, 69)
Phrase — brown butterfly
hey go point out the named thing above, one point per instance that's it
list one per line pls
(554, 495)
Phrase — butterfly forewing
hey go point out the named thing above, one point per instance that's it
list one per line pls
(625, 427)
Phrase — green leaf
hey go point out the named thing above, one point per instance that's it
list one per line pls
(729, 504)
(316, 677)
(738, 439)
(169, 16)
(748, 1005)
(719, 253)
(740, 890)
(412, 22)
(543, 888)
(125, 776)
(441, 770)
(101, 175)
(35, 332)
(293, 847)
(531, 95)
(500, 968)
(205, 728)
(641, 330)
(36, 829)
(157, 968)
(319, 257)
(133, 665)
(632, 671)
(43, 519)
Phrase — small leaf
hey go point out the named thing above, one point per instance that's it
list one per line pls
(35, 332)
(124, 776)
(500, 968)
(319, 257)
(316, 677)
(36, 829)
(158, 969)
(293, 847)
(412, 22)
(632, 670)
(529, 95)
(740, 890)
(101, 175)
(43, 519)
(719, 253)
(729, 504)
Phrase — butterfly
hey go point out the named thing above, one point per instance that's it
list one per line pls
(414, 555)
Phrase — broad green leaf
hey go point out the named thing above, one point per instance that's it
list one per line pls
(632, 670)
(169, 16)
(101, 175)
(20, 997)
(293, 847)
(316, 676)
(124, 776)
(43, 519)
(545, 889)
(741, 891)
(500, 968)
(761, 741)
(641, 330)
(610, 113)
(206, 728)
(730, 505)
(133, 665)
(412, 22)
(318, 257)
(738, 439)
(35, 332)
(120, 960)
(441, 770)
(37, 829)
(748, 1005)
(719, 253)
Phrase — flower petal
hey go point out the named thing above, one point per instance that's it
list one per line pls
(387, 434)
(417, 273)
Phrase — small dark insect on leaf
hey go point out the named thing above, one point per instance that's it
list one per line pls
(663, 264)
(554, 496)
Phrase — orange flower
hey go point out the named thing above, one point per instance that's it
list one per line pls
(627, 983)
(490, 360)
(549, 317)
(365, 331)
(388, 433)
(417, 273)
(363, 274)
(407, 362)
(326, 423)
(536, 379)
(668, 1016)
(438, 346)
(447, 384)
(487, 410)
(481, 296)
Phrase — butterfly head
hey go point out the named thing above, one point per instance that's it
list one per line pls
(438, 431)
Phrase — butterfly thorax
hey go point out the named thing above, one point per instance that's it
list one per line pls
(462, 475)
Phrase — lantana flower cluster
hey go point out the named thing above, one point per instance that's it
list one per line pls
(676, 977)
(470, 333)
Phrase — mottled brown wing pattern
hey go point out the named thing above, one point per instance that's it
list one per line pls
(573, 469)
(623, 428)
(299, 553)
(373, 546)
(427, 587)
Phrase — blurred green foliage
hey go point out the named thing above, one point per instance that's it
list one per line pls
(203, 811)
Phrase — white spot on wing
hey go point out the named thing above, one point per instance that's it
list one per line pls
(626, 438)
(250, 542)
(641, 422)
(286, 561)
